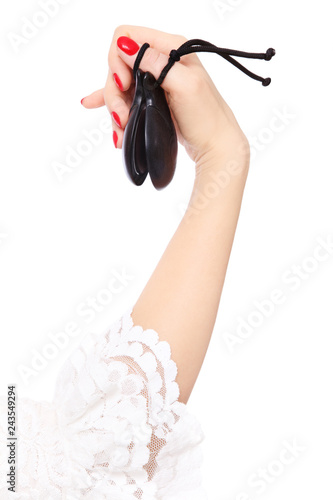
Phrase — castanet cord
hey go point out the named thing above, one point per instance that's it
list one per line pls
(197, 45)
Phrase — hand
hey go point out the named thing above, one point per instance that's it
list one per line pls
(205, 124)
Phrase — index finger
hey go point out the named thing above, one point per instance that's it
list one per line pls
(159, 40)
(163, 42)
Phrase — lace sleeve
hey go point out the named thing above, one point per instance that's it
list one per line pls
(118, 406)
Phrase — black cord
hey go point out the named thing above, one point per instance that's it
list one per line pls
(140, 55)
(197, 45)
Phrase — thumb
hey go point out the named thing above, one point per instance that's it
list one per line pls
(153, 61)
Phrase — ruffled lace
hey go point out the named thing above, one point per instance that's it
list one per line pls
(115, 428)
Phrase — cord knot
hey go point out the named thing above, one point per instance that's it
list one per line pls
(269, 54)
(266, 82)
(174, 55)
(197, 45)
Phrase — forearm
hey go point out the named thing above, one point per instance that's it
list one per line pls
(181, 299)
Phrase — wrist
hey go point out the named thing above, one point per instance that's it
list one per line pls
(233, 154)
(217, 178)
(217, 187)
(220, 175)
(229, 164)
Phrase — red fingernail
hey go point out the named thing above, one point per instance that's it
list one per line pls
(115, 138)
(127, 45)
(82, 100)
(116, 118)
(118, 81)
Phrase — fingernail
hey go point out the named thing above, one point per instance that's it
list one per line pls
(116, 118)
(82, 100)
(115, 138)
(127, 45)
(118, 81)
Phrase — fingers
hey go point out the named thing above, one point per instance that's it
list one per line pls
(153, 61)
(94, 100)
(121, 73)
(163, 42)
(118, 92)
(118, 105)
(160, 42)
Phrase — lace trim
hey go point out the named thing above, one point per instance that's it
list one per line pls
(121, 413)
(121, 430)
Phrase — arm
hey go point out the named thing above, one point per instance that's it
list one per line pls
(181, 299)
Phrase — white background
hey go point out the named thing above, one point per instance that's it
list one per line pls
(60, 241)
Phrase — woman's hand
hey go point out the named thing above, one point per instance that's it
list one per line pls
(205, 124)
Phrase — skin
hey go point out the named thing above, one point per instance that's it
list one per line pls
(181, 299)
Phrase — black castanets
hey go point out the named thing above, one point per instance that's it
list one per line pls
(150, 140)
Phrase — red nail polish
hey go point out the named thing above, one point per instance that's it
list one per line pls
(115, 138)
(118, 81)
(82, 100)
(116, 118)
(127, 45)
